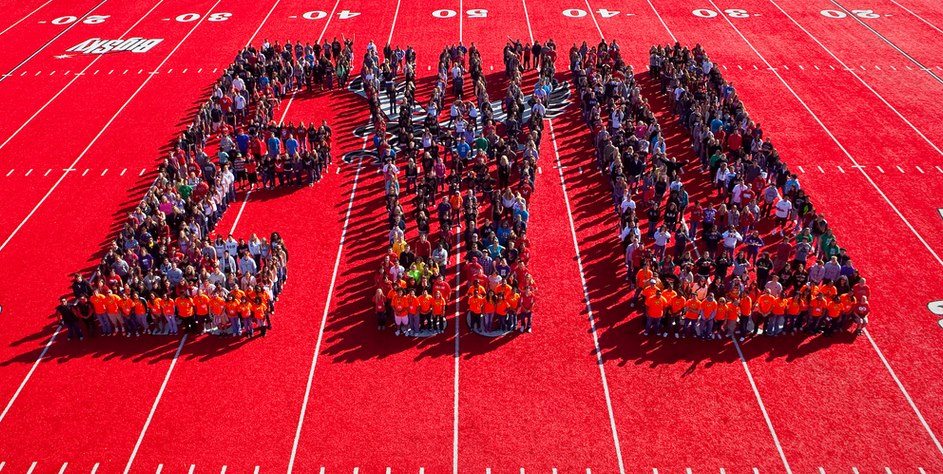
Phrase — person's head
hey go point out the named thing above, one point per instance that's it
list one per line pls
(63, 301)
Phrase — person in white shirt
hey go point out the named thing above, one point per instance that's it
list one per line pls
(627, 203)
(774, 286)
(738, 190)
(783, 210)
(731, 238)
(662, 236)
(231, 245)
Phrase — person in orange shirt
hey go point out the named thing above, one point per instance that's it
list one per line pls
(126, 309)
(156, 307)
(438, 312)
(245, 315)
(476, 304)
(501, 312)
(217, 311)
(260, 314)
(513, 300)
(232, 312)
(654, 310)
(400, 313)
(709, 311)
(764, 310)
(98, 307)
(111, 309)
(425, 301)
(185, 309)
(731, 316)
(643, 279)
(140, 313)
(487, 313)
(676, 313)
(834, 310)
(201, 305)
(412, 308)
(745, 317)
(817, 309)
(692, 311)
(169, 310)
(794, 307)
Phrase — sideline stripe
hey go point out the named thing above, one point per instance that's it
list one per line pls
(75, 78)
(903, 390)
(150, 416)
(242, 208)
(8, 29)
(47, 43)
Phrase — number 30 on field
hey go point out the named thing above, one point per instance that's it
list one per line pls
(731, 12)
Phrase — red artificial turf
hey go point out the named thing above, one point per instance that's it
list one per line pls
(534, 401)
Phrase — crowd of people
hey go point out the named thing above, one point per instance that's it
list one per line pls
(469, 177)
(744, 252)
(168, 271)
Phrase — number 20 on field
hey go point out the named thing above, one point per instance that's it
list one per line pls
(739, 13)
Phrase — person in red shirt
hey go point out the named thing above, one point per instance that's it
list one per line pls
(860, 313)
(526, 313)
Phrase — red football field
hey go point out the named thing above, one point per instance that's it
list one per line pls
(850, 91)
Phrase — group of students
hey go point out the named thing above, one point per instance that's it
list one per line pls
(167, 271)
(752, 256)
(474, 174)
(262, 153)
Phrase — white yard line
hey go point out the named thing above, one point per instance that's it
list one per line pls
(877, 188)
(104, 128)
(29, 374)
(327, 307)
(47, 43)
(759, 401)
(17, 22)
(589, 307)
(160, 394)
(74, 78)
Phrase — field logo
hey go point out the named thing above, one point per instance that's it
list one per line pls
(102, 46)
(557, 100)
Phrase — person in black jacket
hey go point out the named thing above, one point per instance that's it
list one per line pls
(69, 319)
